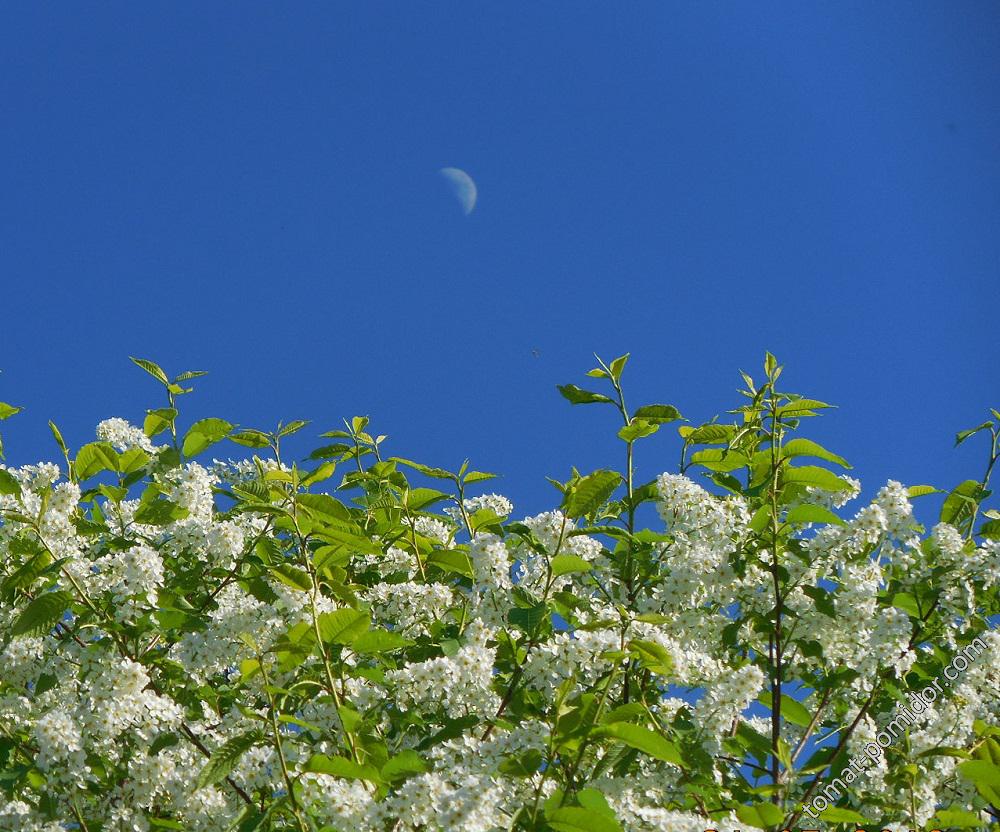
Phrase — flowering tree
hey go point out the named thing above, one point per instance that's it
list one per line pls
(359, 642)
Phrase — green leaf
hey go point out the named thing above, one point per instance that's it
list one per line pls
(250, 438)
(961, 500)
(158, 420)
(718, 459)
(590, 493)
(801, 407)
(637, 429)
(806, 447)
(57, 435)
(42, 614)
(990, 530)
(660, 413)
(292, 427)
(794, 711)
(980, 772)
(565, 564)
(762, 815)
(579, 819)
(646, 741)
(815, 476)
(653, 656)
(710, 434)
(204, 433)
(379, 641)
(9, 483)
(26, 573)
(323, 507)
(343, 626)
(618, 365)
(342, 767)
(153, 369)
(962, 435)
(93, 458)
(921, 490)
(225, 757)
(421, 498)
(293, 576)
(834, 814)
(812, 514)
(956, 818)
(577, 396)
(159, 513)
(478, 476)
(528, 619)
(403, 765)
(8, 410)
(452, 560)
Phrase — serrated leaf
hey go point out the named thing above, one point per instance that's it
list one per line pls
(336, 766)
(762, 815)
(478, 476)
(812, 514)
(204, 433)
(93, 458)
(452, 560)
(153, 369)
(710, 434)
(806, 447)
(922, 490)
(292, 427)
(565, 564)
(225, 758)
(718, 459)
(815, 476)
(528, 619)
(250, 438)
(42, 614)
(961, 500)
(990, 530)
(590, 493)
(660, 413)
(835, 814)
(653, 656)
(637, 429)
(9, 483)
(644, 740)
(159, 513)
(379, 641)
(158, 420)
(794, 711)
(801, 407)
(579, 819)
(618, 365)
(293, 576)
(957, 819)
(577, 395)
(323, 507)
(343, 626)
(404, 764)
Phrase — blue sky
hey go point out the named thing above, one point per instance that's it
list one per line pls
(252, 190)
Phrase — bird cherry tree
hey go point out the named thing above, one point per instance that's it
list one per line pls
(357, 641)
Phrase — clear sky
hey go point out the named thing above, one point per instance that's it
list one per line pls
(252, 189)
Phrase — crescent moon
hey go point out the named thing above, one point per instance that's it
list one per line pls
(462, 187)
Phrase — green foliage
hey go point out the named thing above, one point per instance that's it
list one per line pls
(294, 638)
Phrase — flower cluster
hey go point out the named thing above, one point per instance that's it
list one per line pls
(256, 644)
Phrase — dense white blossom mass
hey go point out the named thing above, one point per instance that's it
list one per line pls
(204, 647)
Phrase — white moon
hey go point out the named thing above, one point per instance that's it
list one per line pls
(462, 187)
